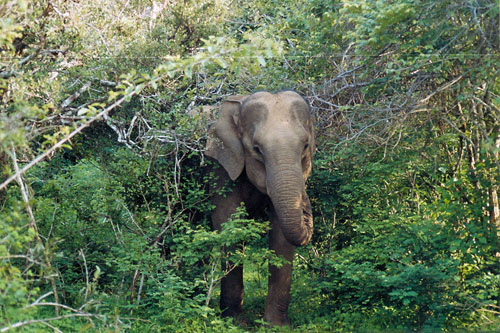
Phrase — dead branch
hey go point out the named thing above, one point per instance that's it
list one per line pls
(44, 321)
(73, 97)
(86, 275)
(42, 156)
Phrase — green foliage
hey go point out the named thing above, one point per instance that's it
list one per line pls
(402, 248)
(238, 230)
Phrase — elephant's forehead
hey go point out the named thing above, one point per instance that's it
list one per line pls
(285, 106)
(255, 112)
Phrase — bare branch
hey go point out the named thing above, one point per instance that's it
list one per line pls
(52, 327)
(141, 284)
(440, 89)
(42, 297)
(44, 321)
(24, 190)
(108, 83)
(77, 94)
(54, 304)
(21, 256)
(80, 128)
(86, 275)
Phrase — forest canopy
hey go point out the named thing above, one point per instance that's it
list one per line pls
(104, 204)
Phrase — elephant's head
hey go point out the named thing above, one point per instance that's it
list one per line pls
(270, 136)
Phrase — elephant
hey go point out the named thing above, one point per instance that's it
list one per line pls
(263, 144)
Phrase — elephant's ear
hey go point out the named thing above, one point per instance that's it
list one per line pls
(224, 142)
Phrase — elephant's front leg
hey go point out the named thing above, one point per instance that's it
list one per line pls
(231, 296)
(231, 300)
(278, 297)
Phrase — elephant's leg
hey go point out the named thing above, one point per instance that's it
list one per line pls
(278, 297)
(231, 299)
(231, 295)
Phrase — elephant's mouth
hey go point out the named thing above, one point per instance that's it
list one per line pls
(307, 219)
(306, 207)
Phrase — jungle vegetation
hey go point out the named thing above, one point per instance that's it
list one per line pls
(103, 199)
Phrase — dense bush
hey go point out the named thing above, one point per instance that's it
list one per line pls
(109, 229)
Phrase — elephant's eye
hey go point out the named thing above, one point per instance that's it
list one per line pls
(257, 150)
(306, 146)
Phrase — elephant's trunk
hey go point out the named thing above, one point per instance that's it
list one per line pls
(286, 188)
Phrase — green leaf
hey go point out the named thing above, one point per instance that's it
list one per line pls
(261, 60)
(188, 71)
